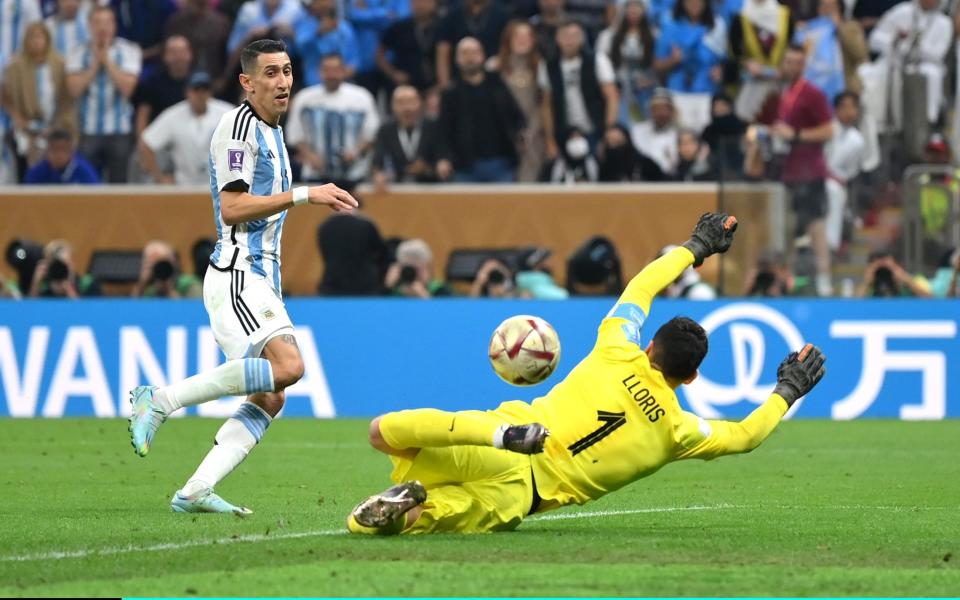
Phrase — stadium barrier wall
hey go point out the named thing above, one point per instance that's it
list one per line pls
(639, 218)
(886, 358)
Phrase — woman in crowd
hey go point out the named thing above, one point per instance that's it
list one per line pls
(35, 93)
(517, 63)
(629, 45)
(691, 48)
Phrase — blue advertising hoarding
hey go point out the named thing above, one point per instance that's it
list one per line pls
(886, 358)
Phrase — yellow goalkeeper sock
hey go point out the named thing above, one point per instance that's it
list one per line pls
(431, 428)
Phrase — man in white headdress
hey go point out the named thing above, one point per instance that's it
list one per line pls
(759, 37)
(912, 37)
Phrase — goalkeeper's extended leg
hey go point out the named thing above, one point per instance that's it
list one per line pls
(403, 433)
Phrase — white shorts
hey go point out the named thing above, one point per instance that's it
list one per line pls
(245, 312)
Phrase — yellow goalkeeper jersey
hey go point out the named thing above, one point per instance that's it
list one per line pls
(614, 419)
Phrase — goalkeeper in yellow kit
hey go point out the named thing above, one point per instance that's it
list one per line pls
(613, 420)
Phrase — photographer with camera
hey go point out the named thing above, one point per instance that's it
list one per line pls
(160, 275)
(771, 277)
(411, 275)
(494, 280)
(885, 278)
(56, 277)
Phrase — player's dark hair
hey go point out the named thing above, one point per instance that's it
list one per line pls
(679, 347)
(248, 57)
(843, 96)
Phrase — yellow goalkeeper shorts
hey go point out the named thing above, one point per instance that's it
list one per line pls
(470, 489)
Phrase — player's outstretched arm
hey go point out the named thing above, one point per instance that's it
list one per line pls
(712, 234)
(796, 376)
(240, 207)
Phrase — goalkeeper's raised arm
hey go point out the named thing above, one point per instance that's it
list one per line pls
(796, 376)
(712, 234)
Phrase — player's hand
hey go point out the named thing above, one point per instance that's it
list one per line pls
(339, 200)
(713, 234)
(799, 372)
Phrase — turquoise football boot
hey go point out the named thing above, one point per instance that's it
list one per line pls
(145, 418)
(206, 502)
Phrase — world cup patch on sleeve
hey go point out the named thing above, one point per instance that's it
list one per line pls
(235, 159)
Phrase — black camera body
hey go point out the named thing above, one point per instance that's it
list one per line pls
(162, 270)
(58, 270)
(408, 274)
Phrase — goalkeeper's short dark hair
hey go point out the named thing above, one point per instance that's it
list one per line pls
(679, 347)
(248, 56)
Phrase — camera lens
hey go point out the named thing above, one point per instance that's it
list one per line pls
(163, 270)
(408, 274)
(497, 277)
(58, 270)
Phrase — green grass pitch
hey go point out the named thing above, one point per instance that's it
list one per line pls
(859, 508)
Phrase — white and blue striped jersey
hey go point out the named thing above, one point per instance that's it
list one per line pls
(103, 109)
(246, 153)
(68, 34)
(15, 15)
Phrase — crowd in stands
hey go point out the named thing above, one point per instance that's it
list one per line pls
(565, 91)
(486, 90)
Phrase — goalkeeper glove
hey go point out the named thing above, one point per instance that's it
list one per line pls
(799, 372)
(712, 234)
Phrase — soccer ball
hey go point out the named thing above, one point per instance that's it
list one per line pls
(524, 350)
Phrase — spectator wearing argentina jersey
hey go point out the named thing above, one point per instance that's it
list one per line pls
(15, 15)
(68, 26)
(333, 126)
(102, 77)
(250, 186)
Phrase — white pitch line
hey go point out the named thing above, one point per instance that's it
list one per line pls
(254, 538)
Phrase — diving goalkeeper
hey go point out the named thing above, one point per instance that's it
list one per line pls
(613, 420)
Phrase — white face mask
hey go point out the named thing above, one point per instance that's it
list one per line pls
(577, 148)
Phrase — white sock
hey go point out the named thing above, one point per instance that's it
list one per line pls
(235, 439)
(233, 378)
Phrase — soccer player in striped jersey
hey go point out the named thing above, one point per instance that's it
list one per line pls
(613, 420)
(250, 184)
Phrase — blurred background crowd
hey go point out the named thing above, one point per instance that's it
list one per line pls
(837, 100)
